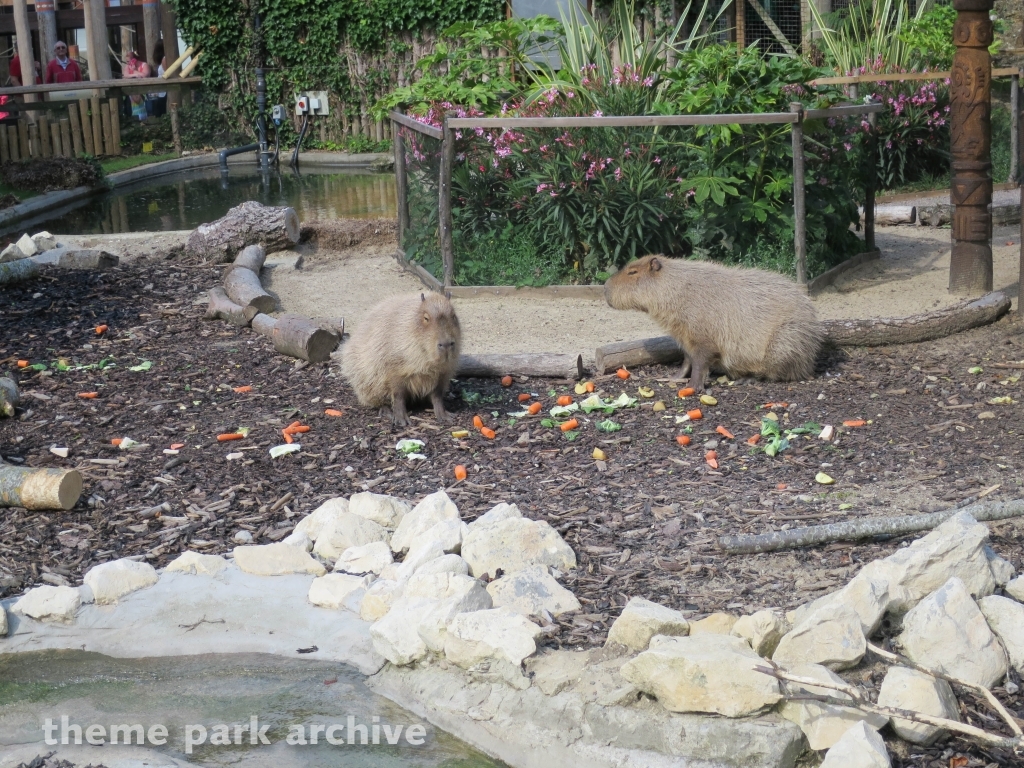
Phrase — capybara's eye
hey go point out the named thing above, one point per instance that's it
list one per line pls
(631, 272)
(426, 318)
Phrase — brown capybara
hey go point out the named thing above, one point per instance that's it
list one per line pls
(746, 322)
(406, 348)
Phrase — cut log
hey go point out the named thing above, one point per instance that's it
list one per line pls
(223, 308)
(540, 365)
(34, 488)
(246, 224)
(659, 350)
(9, 397)
(878, 332)
(251, 257)
(15, 271)
(243, 287)
(335, 325)
(864, 528)
(297, 336)
(893, 215)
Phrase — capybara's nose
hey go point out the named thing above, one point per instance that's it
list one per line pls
(446, 346)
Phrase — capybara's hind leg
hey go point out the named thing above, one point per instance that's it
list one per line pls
(400, 414)
(683, 373)
(699, 371)
(437, 400)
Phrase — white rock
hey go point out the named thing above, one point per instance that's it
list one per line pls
(3, 622)
(433, 625)
(947, 632)
(27, 246)
(1006, 619)
(196, 563)
(313, 523)
(1015, 589)
(870, 596)
(1002, 570)
(421, 553)
(445, 564)
(763, 630)
(859, 747)
(378, 599)
(514, 544)
(391, 572)
(719, 623)
(11, 253)
(822, 724)
(276, 559)
(433, 509)
(439, 586)
(44, 241)
(496, 514)
(498, 633)
(331, 591)
(242, 537)
(448, 533)
(110, 581)
(368, 558)
(344, 530)
(531, 592)
(641, 620)
(831, 636)
(49, 604)
(396, 636)
(386, 511)
(299, 539)
(706, 673)
(905, 688)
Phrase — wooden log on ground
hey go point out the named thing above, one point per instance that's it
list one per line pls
(10, 397)
(15, 271)
(34, 488)
(247, 224)
(864, 528)
(297, 336)
(251, 257)
(223, 308)
(335, 325)
(893, 215)
(541, 365)
(659, 350)
(244, 288)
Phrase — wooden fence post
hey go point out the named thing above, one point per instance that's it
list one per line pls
(108, 133)
(115, 124)
(175, 126)
(444, 203)
(44, 136)
(401, 182)
(799, 200)
(76, 129)
(97, 125)
(65, 137)
(1015, 164)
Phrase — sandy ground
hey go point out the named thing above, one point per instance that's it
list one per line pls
(911, 277)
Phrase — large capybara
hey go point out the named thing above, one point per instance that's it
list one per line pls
(406, 348)
(745, 322)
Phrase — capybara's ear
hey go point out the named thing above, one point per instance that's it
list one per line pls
(423, 297)
(448, 295)
(655, 264)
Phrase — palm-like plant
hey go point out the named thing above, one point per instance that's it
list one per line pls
(868, 35)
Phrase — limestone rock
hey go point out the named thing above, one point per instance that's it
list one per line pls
(368, 558)
(313, 523)
(345, 530)
(110, 581)
(715, 624)
(196, 563)
(299, 539)
(1002, 570)
(44, 241)
(445, 564)
(555, 671)
(706, 673)
(11, 253)
(448, 533)
(1015, 589)
(763, 630)
(859, 747)
(396, 636)
(277, 559)
(48, 603)
(27, 246)
(385, 511)
(433, 625)
(498, 633)
(869, 595)
(242, 537)
(86, 258)
(378, 599)
(947, 632)
(433, 509)
(514, 544)
(496, 514)
(331, 591)
(421, 553)
(3, 622)
(532, 591)
(438, 586)
(641, 620)
(1006, 619)
(905, 688)
(831, 636)
(822, 724)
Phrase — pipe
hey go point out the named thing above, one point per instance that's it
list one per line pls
(302, 134)
(226, 153)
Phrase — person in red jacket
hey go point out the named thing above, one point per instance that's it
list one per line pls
(63, 69)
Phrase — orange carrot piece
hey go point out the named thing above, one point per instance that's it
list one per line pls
(523, 397)
(781, 486)
(569, 425)
(854, 423)
(332, 412)
(686, 392)
(175, 446)
(683, 439)
(243, 390)
(23, 363)
(287, 436)
(116, 441)
(506, 381)
(711, 457)
(753, 439)
(623, 374)
(297, 430)
(478, 422)
(725, 433)
(230, 436)
(695, 414)
(487, 432)
(589, 386)
(88, 395)
(460, 472)
(100, 330)
(534, 409)
(564, 400)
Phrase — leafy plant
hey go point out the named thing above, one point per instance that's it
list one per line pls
(778, 438)
(505, 258)
(866, 32)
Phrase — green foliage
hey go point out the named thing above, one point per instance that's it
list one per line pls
(867, 34)
(218, 29)
(504, 258)
(930, 38)
(205, 124)
(369, 24)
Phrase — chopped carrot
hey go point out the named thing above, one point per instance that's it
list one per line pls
(294, 424)
(230, 436)
(243, 390)
(297, 430)
(781, 486)
(88, 395)
(478, 422)
(287, 436)
(176, 446)
(523, 397)
(589, 386)
(100, 330)
(506, 381)
(460, 472)
(753, 439)
(725, 433)
(116, 441)
(564, 400)
(569, 425)
(487, 432)
(776, 405)
(23, 363)
(683, 439)
(623, 374)
(534, 409)
(854, 423)
(687, 391)
(695, 414)
(711, 457)
(332, 412)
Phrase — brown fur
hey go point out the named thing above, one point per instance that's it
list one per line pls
(406, 348)
(747, 322)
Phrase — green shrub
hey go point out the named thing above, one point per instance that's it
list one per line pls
(504, 258)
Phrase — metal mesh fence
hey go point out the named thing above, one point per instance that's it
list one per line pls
(419, 234)
(774, 24)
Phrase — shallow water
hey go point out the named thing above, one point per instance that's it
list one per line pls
(186, 200)
(212, 690)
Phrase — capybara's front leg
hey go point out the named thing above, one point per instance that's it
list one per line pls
(401, 415)
(437, 400)
(699, 371)
(684, 372)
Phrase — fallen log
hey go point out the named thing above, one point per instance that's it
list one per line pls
(244, 288)
(893, 215)
(655, 351)
(542, 365)
(246, 224)
(864, 528)
(9, 397)
(297, 336)
(335, 325)
(251, 257)
(223, 308)
(15, 271)
(34, 488)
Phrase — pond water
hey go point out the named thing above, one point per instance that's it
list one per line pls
(184, 693)
(184, 201)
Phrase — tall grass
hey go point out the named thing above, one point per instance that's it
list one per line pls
(867, 34)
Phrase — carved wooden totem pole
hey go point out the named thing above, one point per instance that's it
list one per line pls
(970, 269)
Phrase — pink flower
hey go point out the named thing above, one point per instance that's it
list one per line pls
(598, 113)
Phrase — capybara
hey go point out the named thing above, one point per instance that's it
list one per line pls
(746, 322)
(406, 348)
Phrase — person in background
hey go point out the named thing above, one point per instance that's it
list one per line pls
(63, 69)
(14, 71)
(156, 103)
(136, 68)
